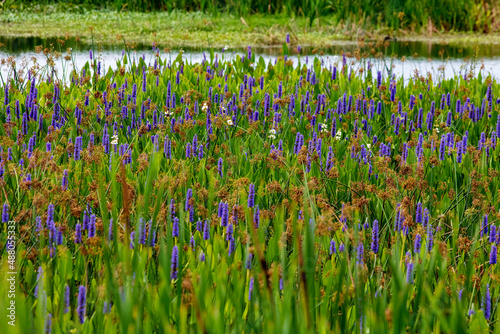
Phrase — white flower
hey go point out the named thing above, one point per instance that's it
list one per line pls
(114, 142)
(226, 48)
(204, 107)
(272, 136)
(338, 135)
(369, 146)
(272, 131)
(229, 122)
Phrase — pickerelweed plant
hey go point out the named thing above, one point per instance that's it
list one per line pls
(244, 196)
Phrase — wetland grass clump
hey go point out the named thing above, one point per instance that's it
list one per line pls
(424, 15)
(239, 195)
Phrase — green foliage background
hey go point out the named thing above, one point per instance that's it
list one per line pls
(457, 15)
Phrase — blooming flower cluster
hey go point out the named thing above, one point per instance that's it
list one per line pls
(260, 190)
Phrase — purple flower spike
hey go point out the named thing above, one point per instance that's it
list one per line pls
(189, 195)
(220, 167)
(175, 227)
(493, 254)
(142, 232)
(110, 230)
(487, 303)
(192, 243)
(39, 277)
(256, 217)
(409, 273)
(430, 238)
(333, 249)
(92, 226)
(5, 213)
(78, 234)
(248, 264)
(65, 180)
(419, 213)
(82, 303)
(360, 251)
(232, 246)
(132, 239)
(250, 289)
(174, 263)
(229, 232)
(251, 196)
(375, 237)
(206, 230)
(66, 299)
(418, 244)
(48, 324)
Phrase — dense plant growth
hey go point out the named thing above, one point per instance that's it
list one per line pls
(233, 195)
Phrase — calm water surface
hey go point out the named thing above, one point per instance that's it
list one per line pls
(438, 60)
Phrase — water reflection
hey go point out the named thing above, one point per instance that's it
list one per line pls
(17, 45)
(438, 60)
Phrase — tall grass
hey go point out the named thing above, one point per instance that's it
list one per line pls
(111, 207)
(457, 15)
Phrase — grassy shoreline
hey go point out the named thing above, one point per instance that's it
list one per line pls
(202, 30)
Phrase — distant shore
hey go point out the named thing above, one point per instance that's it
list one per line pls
(203, 30)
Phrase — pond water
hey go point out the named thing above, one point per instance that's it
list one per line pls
(436, 59)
